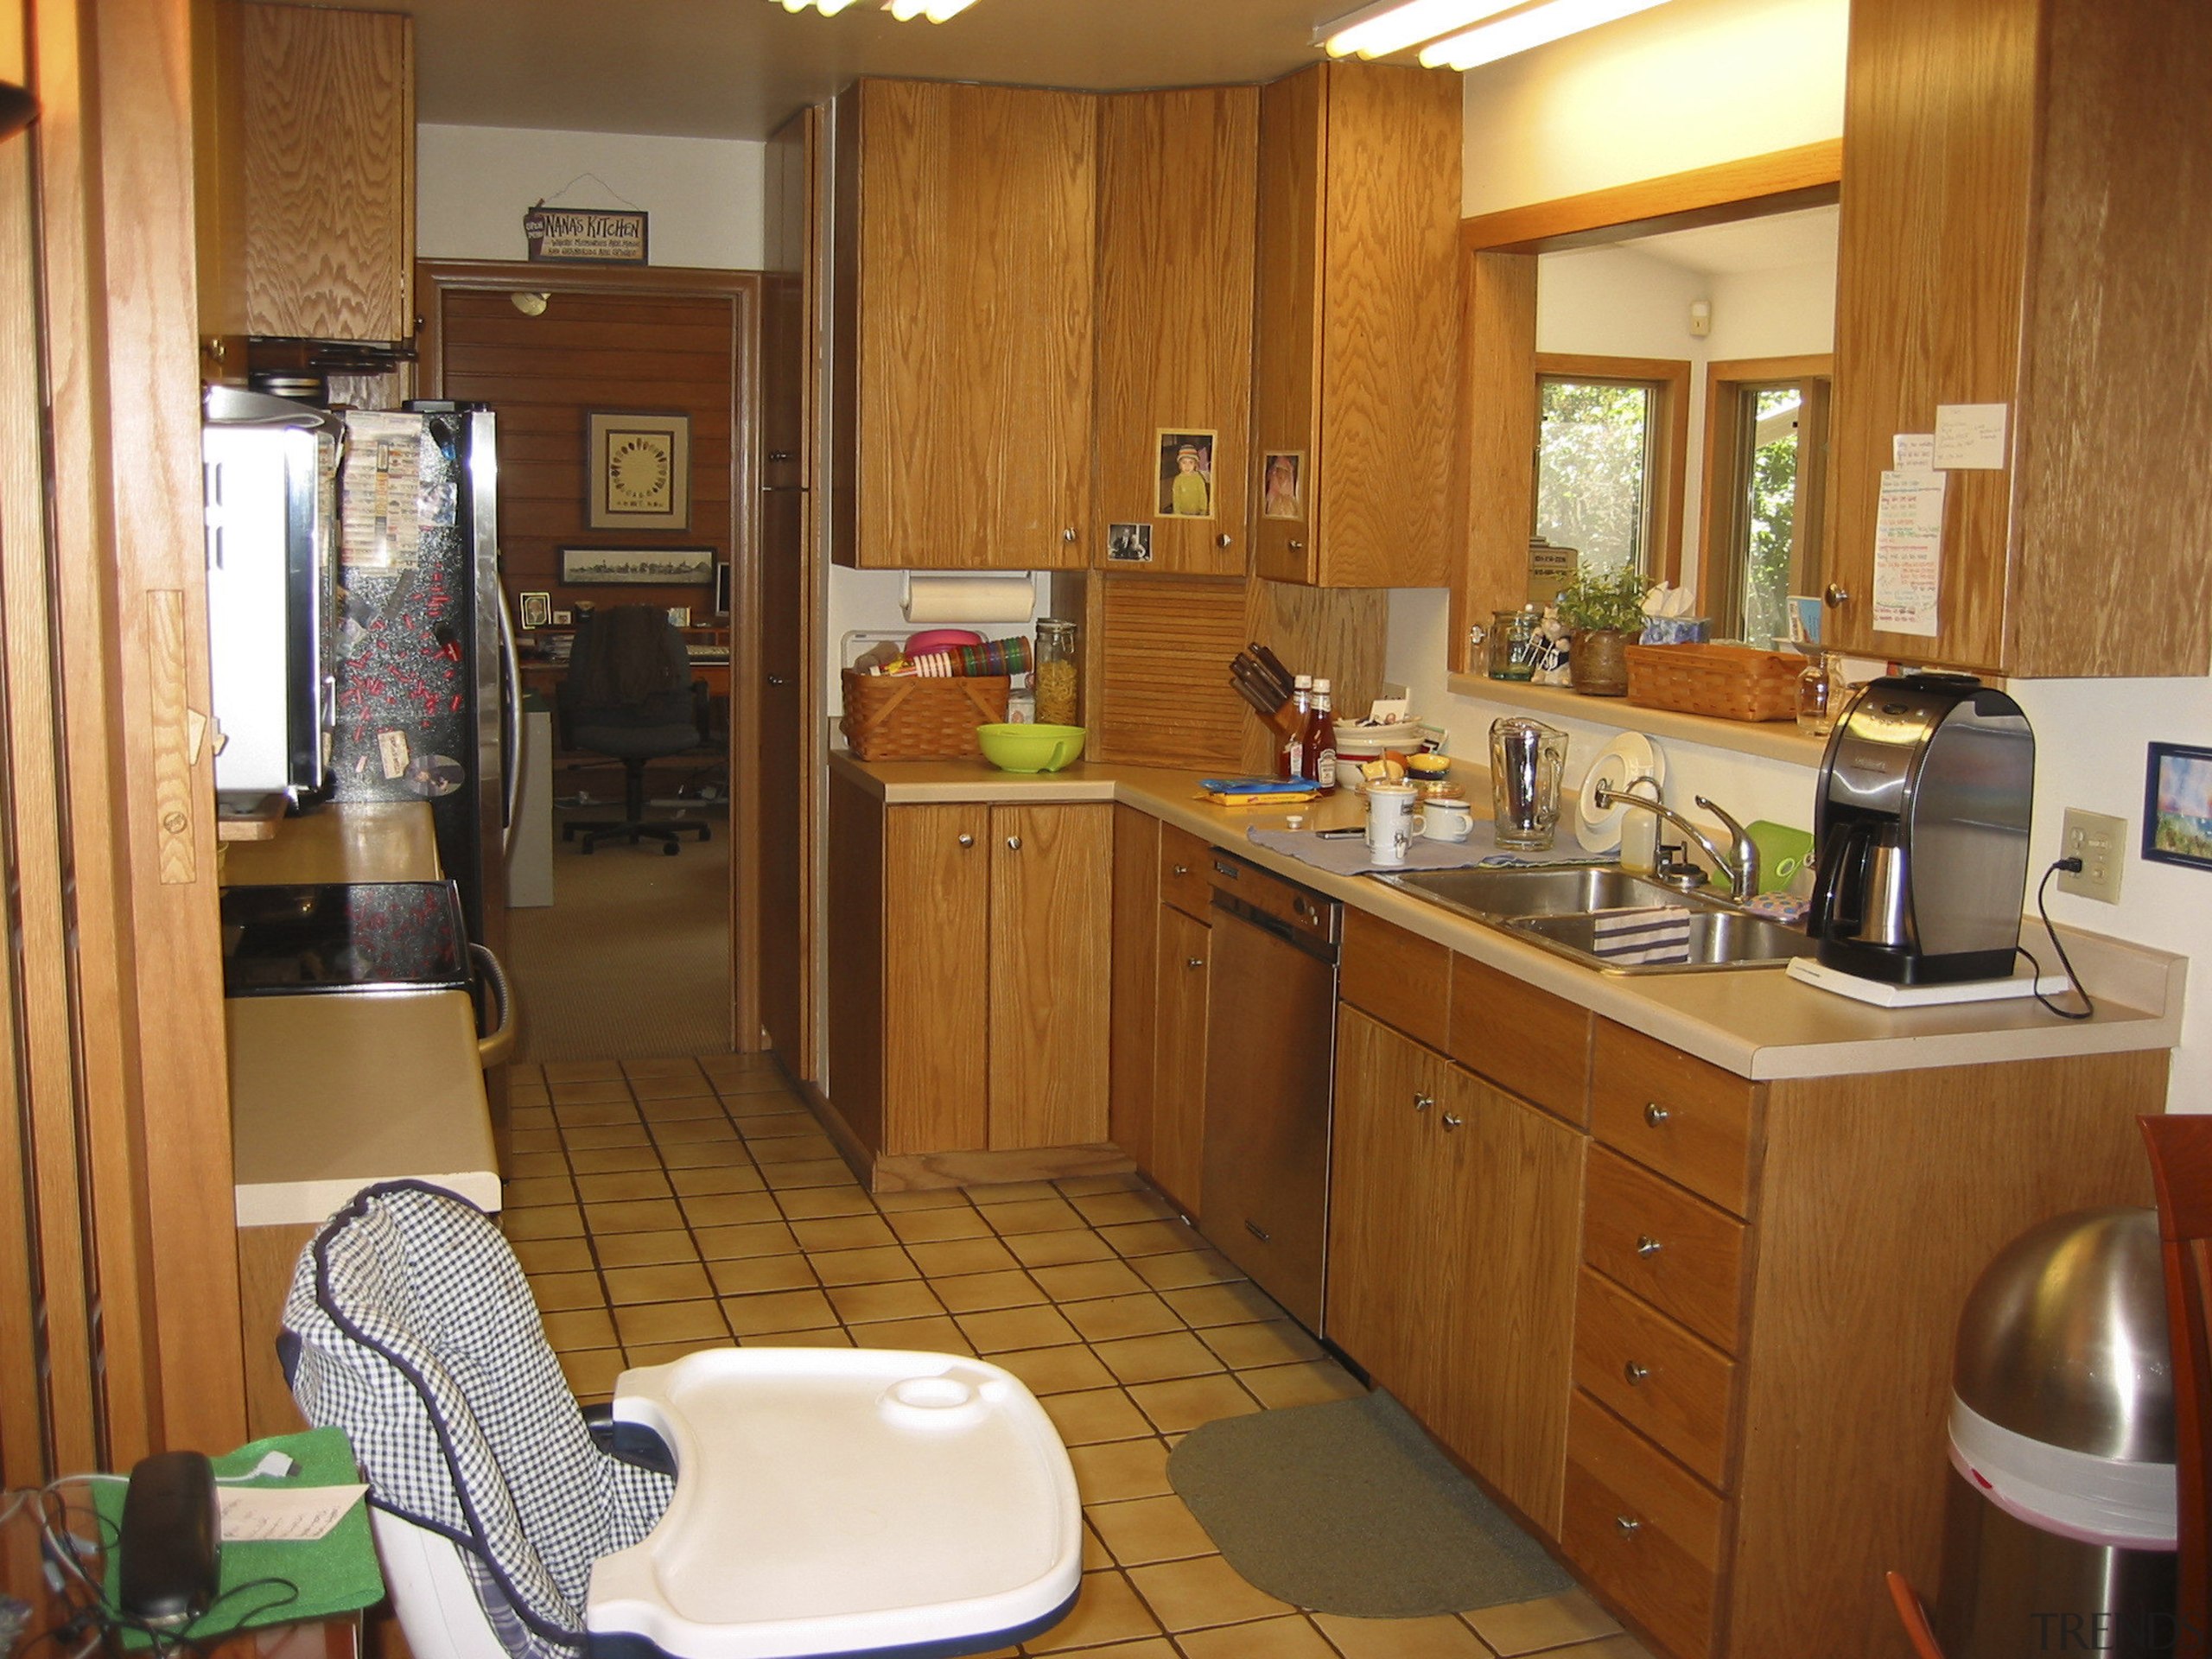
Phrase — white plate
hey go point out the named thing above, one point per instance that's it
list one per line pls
(1630, 756)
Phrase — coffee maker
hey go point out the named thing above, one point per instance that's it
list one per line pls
(1922, 833)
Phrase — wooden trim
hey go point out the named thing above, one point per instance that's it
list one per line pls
(1670, 378)
(1499, 349)
(1808, 175)
(1720, 510)
(920, 1171)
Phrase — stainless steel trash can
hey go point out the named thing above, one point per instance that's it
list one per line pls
(2060, 1525)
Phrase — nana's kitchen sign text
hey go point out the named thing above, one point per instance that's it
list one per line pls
(584, 236)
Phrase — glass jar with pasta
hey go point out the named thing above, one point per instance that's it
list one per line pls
(1055, 672)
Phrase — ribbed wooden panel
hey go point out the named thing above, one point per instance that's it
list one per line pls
(1339, 633)
(1163, 648)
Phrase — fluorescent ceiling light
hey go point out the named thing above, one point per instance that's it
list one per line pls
(1538, 25)
(936, 11)
(1377, 31)
(827, 8)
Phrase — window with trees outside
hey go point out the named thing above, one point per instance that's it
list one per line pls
(1766, 452)
(1609, 461)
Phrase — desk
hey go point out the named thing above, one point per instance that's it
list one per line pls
(546, 678)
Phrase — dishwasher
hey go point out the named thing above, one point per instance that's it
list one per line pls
(1271, 1030)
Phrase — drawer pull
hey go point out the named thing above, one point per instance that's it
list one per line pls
(1194, 961)
(1453, 1120)
(1182, 869)
(1646, 1245)
(1014, 843)
(1655, 1114)
(967, 840)
(1635, 1373)
(1422, 1103)
(1629, 1524)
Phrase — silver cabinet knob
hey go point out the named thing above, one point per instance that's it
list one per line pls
(1225, 540)
(967, 840)
(1296, 547)
(1655, 1114)
(1182, 869)
(779, 680)
(1629, 1524)
(1014, 843)
(1646, 1245)
(1422, 1103)
(1453, 1120)
(1194, 961)
(1068, 535)
(1838, 596)
(1635, 1373)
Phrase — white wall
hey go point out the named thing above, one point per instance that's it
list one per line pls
(473, 184)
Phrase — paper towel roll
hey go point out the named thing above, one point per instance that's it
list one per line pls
(969, 599)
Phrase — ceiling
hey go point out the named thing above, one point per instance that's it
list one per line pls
(737, 68)
(1775, 242)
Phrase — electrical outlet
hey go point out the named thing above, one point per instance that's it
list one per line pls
(2099, 842)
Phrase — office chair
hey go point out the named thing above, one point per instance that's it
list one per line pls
(737, 1504)
(629, 694)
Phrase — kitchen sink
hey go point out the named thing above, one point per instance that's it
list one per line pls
(1719, 939)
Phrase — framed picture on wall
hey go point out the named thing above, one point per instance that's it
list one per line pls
(638, 471)
(637, 567)
(2177, 805)
(533, 610)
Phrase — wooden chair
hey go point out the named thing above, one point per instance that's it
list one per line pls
(2181, 1166)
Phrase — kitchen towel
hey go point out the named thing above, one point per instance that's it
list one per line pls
(1351, 856)
(1642, 934)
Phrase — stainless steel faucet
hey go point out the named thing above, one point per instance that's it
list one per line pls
(1740, 863)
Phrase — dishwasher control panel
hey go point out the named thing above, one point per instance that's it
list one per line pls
(1318, 918)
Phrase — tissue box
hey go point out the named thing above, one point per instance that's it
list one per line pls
(1677, 629)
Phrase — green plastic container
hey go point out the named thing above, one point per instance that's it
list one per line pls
(1030, 748)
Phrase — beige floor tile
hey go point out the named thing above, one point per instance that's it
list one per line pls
(1115, 1469)
(664, 1353)
(633, 1216)
(814, 1203)
(1096, 1414)
(1154, 1359)
(1192, 1595)
(692, 1088)
(582, 1071)
(1096, 1558)
(1056, 1370)
(934, 1226)
(748, 1275)
(754, 1100)
(520, 1094)
(672, 1065)
(533, 1166)
(1001, 1329)
(1078, 1282)
(726, 1210)
(680, 1108)
(1152, 1237)
(1110, 1209)
(580, 1328)
(523, 1115)
(743, 1201)
(1611, 1647)
(591, 1374)
(553, 1254)
(557, 1292)
(829, 1336)
(670, 1282)
(537, 1190)
(671, 1322)
(1116, 1317)
(1301, 1385)
(780, 1310)
(522, 1138)
(938, 1335)
(627, 1184)
(1085, 1186)
(559, 1221)
(842, 1233)
(606, 1161)
(1185, 1267)
(1273, 1341)
(1241, 1303)
(645, 1250)
(1052, 1214)
(695, 1131)
(1142, 1530)
(608, 1103)
(1292, 1637)
(747, 1238)
(864, 1267)
(1553, 1621)
(722, 1066)
(927, 1197)
(815, 1172)
(712, 1154)
(789, 1149)
(608, 1091)
(900, 1299)
(976, 1292)
(998, 1193)
(1059, 1250)
(766, 1124)
(961, 1255)
(1188, 1403)
(1107, 1610)
(1441, 1637)
(591, 1137)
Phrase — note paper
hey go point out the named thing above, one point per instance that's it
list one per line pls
(1913, 452)
(382, 499)
(1909, 552)
(298, 1514)
(1971, 437)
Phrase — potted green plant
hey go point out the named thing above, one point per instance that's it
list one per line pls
(1604, 609)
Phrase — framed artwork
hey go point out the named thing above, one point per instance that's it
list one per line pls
(533, 610)
(1282, 486)
(2177, 805)
(637, 567)
(638, 471)
(1129, 543)
(1186, 474)
(679, 616)
(564, 619)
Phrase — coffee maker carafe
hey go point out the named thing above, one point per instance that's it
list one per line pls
(1922, 831)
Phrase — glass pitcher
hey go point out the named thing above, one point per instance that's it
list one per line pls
(1525, 761)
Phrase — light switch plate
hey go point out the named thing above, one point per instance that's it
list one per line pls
(2100, 842)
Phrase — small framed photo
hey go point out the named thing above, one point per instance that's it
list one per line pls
(679, 616)
(638, 471)
(637, 567)
(564, 619)
(1186, 473)
(2177, 805)
(1129, 543)
(1282, 485)
(533, 610)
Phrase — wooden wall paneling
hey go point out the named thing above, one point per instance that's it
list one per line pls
(329, 170)
(1049, 949)
(1339, 633)
(1499, 357)
(1781, 181)
(218, 168)
(1163, 647)
(1130, 1086)
(855, 942)
(1177, 181)
(938, 1055)
(1287, 334)
(1996, 1149)
(267, 1258)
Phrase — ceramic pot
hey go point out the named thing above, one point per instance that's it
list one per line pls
(1597, 664)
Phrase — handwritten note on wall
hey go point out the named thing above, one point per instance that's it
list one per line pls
(1909, 552)
(1971, 437)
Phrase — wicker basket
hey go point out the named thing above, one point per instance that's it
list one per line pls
(900, 717)
(1726, 681)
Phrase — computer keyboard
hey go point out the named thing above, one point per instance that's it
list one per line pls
(707, 653)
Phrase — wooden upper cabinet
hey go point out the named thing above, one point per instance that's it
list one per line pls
(1356, 324)
(963, 331)
(2027, 210)
(328, 137)
(1176, 177)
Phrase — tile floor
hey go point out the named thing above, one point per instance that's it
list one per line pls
(661, 1205)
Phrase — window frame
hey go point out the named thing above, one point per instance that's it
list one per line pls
(1667, 380)
(1721, 537)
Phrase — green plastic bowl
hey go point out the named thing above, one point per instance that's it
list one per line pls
(1030, 748)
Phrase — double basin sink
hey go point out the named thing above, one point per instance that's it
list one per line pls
(1557, 908)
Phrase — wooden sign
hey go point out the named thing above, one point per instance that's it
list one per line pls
(591, 236)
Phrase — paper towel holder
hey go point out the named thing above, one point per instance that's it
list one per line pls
(996, 597)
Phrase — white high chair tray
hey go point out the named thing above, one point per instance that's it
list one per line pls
(835, 1501)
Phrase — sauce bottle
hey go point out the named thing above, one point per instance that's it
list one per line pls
(1321, 739)
(1290, 757)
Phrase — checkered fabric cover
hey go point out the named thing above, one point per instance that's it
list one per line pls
(410, 1326)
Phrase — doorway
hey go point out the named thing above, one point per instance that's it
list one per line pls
(648, 950)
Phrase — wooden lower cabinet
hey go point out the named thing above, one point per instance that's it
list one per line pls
(1179, 1098)
(1050, 954)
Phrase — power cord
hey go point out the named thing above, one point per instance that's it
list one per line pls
(2088, 1008)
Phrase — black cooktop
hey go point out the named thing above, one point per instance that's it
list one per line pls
(361, 935)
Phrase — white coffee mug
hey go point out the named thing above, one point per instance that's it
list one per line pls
(1445, 817)
(1390, 822)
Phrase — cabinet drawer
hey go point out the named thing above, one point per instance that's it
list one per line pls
(1643, 1530)
(1183, 871)
(1660, 1379)
(1401, 978)
(1691, 1122)
(1677, 1252)
(1534, 1043)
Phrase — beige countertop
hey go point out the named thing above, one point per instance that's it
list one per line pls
(1758, 1023)
(347, 841)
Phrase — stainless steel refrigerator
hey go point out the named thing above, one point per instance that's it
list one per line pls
(427, 685)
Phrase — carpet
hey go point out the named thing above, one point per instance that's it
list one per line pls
(1348, 1508)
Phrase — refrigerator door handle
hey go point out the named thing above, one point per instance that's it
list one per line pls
(510, 728)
